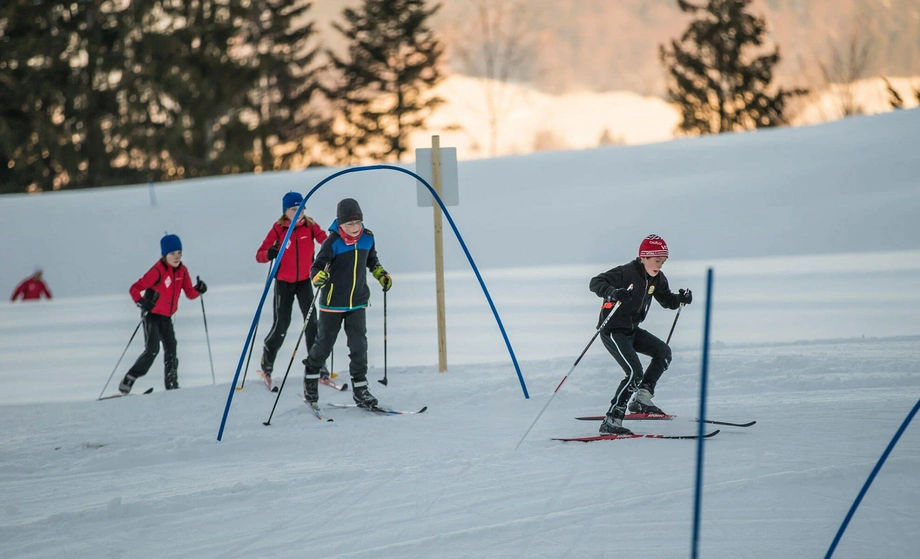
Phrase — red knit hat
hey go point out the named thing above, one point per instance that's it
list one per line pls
(653, 246)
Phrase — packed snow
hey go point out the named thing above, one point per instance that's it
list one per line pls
(815, 248)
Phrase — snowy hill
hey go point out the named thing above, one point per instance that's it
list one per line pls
(847, 186)
(816, 323)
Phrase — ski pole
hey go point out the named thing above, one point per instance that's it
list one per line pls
(675, 323)
(383, 381)
(206, 335)
(138, 327)
(583, 352)
(252, 342)
(294, 353)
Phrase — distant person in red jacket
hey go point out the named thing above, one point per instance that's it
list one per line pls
(32, 288)
(292, 279)
(161, 286)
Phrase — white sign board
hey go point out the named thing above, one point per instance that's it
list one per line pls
(450, 180)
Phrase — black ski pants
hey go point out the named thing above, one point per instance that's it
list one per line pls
(355, 330)
(158, 329)
(282, 306)
(625, 347)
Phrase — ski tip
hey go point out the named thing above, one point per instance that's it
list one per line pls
(149, 390)
(423, 409)
(274, 389)
(344, 387)
(712, 434)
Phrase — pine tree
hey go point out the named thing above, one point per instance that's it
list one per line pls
(719, 84)
(382, 89)
(58, 62)
(290, 125)
(193, 65)
(894, 98)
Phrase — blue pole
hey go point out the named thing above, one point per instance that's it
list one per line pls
(153, 194)
(875, 471)
(453, 226)
(698, 498)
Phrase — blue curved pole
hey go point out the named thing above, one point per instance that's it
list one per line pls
(875, 471)
(284, 243)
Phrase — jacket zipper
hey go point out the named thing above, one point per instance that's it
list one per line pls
(354, 279)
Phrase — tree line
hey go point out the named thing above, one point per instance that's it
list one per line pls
(111, 92)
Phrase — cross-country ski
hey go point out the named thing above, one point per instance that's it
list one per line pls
(663, 417)
(317, 411)
(119, 394)
(332, 384)
(379, 409)
(633, 436)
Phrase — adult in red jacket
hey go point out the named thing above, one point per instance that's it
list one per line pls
(161, 286)
(32, 288)
(293, 276)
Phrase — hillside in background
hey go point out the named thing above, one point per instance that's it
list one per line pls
(599, 45)
(597, 80)
(548, 209)
(534, 121)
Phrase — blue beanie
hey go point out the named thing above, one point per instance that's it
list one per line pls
(290, 200)
(170, 243)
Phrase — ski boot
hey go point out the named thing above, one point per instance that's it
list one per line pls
(642, 403)
(362, 396)
(126, 384)
(311, 388)
(613, 423)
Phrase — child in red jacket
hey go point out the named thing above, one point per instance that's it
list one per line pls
(292, 279)
(32, 288)
(161, 286)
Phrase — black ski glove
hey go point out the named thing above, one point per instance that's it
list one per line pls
(200, 286)
(148, 301)
(684, 296)
(623, 295)
(272, 252)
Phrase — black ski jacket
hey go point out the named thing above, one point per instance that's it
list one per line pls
(346, 290)
(630, 314)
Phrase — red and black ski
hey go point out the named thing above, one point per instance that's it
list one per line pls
(633, 436)
(331, 384)
(267, 379)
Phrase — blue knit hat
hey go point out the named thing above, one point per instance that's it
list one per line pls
(170, 243)
(290, 200)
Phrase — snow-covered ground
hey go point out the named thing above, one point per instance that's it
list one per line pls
(816, 327)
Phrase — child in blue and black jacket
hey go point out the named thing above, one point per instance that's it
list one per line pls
(339, 270)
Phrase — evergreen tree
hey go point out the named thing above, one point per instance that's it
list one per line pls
(290, 127)
(194, 75)
(382, 89)
(57, 93)
(894, 99)
(719, 84)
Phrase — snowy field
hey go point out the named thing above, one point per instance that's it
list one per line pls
(816, 336)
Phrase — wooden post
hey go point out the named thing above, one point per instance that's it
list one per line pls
(439, 254)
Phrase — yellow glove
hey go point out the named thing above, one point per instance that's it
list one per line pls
(320, 278)
(381, 275)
